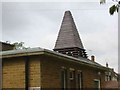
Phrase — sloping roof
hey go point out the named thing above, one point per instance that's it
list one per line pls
(68, 35)
(40, 51)
(6, 46)
(6, 43)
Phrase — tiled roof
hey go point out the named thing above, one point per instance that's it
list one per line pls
(68, 35)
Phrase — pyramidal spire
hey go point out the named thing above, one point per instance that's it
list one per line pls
(68, 41)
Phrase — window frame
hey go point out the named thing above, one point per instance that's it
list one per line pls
(79, 80)
(72, 79)
(98, 85)
(63, 78)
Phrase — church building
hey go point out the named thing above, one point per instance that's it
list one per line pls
(67, 67)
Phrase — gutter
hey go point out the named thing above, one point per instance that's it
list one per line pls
(75, 60)
(39, 51)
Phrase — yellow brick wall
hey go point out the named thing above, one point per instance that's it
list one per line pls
(34, 72)
(13, 73)
(44, 72)
(51, 73)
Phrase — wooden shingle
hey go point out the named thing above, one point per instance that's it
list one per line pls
(68, 35)
(68, 40)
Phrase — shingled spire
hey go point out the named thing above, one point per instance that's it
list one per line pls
(68, 41)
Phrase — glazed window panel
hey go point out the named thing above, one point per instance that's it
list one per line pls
(72, 79)
(96, 84)
(63, 79)
(79, 79)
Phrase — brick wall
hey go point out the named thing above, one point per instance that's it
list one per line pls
(45, 72)
(51, 73)
(34, 72)
(13, 73)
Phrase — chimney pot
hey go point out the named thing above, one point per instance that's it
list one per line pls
(93, 58)
(106, 64)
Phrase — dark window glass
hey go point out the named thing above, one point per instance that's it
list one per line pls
(72, 80)
(64, 79)
(96, 85)
(79, 79)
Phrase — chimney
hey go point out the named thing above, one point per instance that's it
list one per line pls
(106, 64)
(93, 58)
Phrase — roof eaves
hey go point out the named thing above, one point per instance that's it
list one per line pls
(69, 58)
(39, 51)
(6, 43)
(22, 52)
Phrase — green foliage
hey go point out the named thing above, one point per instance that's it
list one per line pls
(113, 9)
(102, 1)
(19, 45)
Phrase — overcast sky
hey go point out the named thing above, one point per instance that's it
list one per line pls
(38, 23)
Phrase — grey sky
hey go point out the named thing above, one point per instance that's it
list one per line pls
(38, 23)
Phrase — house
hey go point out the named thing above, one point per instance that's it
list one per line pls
(112, 85)
(4, 46)
(67, 66)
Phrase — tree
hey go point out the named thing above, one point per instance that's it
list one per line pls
(19, 45)
(114, 8)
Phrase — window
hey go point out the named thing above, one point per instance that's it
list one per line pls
(79, 79)
(71, 75)
(72, 78)
(64, 79)
(108, 76)
(96, 84)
